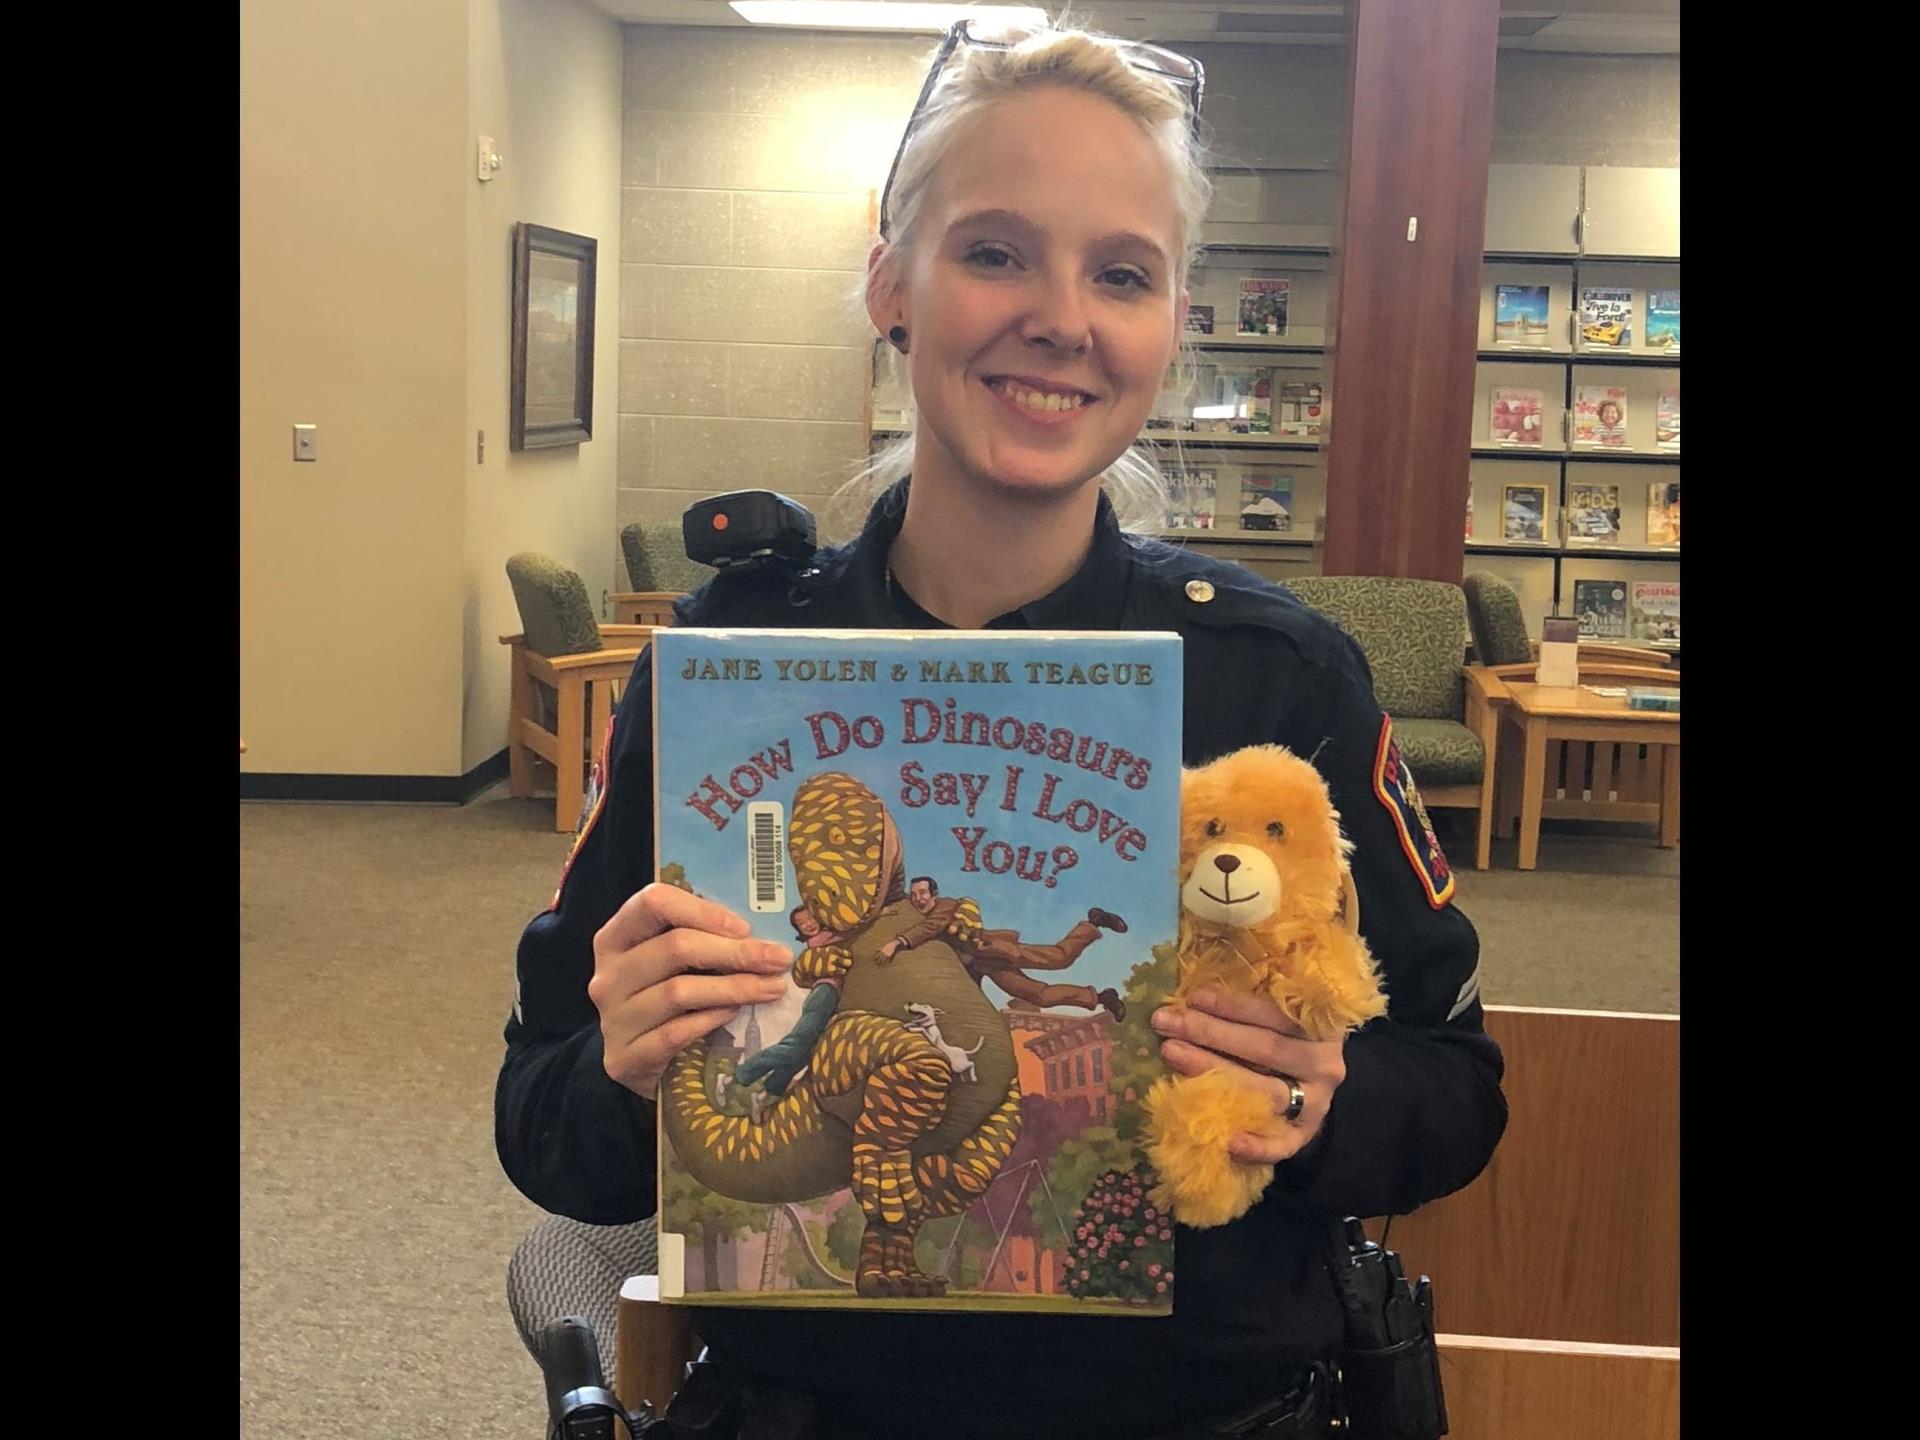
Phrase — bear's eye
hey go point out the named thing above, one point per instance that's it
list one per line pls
(1214, 827)
(1277, 830)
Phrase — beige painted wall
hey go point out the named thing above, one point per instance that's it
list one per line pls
(544, 82)
(352, 317)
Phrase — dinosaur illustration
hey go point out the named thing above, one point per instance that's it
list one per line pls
(876, 1107)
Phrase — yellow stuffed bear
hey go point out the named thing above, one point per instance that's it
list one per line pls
(1266, 908)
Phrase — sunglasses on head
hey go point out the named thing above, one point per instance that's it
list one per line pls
(1181, 70)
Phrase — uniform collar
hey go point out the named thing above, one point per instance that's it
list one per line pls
(1092, 598)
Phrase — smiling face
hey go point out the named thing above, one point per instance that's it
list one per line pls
(1040, 295)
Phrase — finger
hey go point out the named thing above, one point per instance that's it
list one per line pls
(658, 908)
(1253, 1044)
(686, 994)
(639, 1063)
(1248, 1009)
(678, 951)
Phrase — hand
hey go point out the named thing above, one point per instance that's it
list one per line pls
(1250, 1035)
(888, 951)
(652, 1001)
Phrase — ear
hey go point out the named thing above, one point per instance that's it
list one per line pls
(884, 298)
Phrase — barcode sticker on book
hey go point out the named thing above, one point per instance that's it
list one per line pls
(766, 855)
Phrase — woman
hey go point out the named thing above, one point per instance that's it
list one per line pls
(1036, 238)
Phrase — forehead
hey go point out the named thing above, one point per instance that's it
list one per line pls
(1071, 162)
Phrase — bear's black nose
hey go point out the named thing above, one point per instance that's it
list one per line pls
(1226, 864)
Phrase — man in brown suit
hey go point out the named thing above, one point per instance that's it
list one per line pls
(1001, 955)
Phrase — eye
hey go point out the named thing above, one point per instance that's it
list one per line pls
(989, 257)
(1126, 277)
(1277, 830)
(1214, 827)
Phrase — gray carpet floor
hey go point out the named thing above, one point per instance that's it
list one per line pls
(376, 973)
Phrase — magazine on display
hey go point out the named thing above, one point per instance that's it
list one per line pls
(1200, 319)
(1600, 416)
(1303, 408)
(1663, 321)
(1192, 494)
(1263, 307)
(1524, 513)
(1593, 514)
(1469, 514)
(1515, 416)
(1654, 610)
(1520, 316)
(1606, 318)
(1239, 401)
(1663, 512)
(1666, 420)
(1266, 501)
(963, 838)
(1601, 608)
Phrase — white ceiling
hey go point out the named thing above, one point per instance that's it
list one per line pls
(1602, 27)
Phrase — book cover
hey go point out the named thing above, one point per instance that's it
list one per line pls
(1663, 321)
(970, 840)
(1199, 319)
(1601, 608)
(1606, 318)
(1666, 419)
(1593, 514)
(1514, 418)
(1242, 401)
(1663, 512)
(1266, 501)
(1263, 307)
(1191, 494)
(1173, 406)
(1524, 515)
(1520, 315)
(1653, 608)
(1302, 408)
(1600, 416)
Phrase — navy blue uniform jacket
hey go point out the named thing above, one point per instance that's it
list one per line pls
(1417, 1118)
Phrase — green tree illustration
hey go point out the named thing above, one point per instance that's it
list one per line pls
(707, 1218)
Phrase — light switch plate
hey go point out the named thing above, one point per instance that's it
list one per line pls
(486, 158)
(306, 442)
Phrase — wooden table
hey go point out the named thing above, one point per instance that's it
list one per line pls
(1545, 713)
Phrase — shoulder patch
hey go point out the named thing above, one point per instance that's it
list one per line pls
(1394, 788)
(590, 805)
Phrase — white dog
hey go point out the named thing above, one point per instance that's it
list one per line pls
(924, 1020)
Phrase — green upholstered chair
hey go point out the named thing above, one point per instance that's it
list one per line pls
(1413, 633)
(659, 571)
(565, 667)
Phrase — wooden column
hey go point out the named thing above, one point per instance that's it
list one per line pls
(1405, 308)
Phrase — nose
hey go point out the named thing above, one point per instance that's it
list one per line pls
(1226, 864)
(1058, 318)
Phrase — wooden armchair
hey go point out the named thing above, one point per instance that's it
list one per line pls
(659, 571)
(566, 669)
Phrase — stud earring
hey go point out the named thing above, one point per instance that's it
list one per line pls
(898, 335)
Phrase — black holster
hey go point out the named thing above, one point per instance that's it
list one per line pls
(1390, 1364)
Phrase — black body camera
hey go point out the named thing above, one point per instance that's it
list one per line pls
(743, 526)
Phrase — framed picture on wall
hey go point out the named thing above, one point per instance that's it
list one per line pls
(552, 364)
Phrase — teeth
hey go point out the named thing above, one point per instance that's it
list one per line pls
(1038, 399)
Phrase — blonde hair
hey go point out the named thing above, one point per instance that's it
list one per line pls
(974, 81)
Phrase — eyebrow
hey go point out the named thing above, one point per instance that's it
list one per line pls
(1118, 239)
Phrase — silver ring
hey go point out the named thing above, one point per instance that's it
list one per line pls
(1296, 1098)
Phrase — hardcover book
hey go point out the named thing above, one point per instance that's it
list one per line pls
(1601, 608)
(1514, 418)
(969, 841)
(1266, 501)
(1263, 307)
(1600, 416)
(1653, 609)
(1520, 315)
(1663, 512)
(1593, 514)
(1606, 318)
(1663, 321)
(1524, 514)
